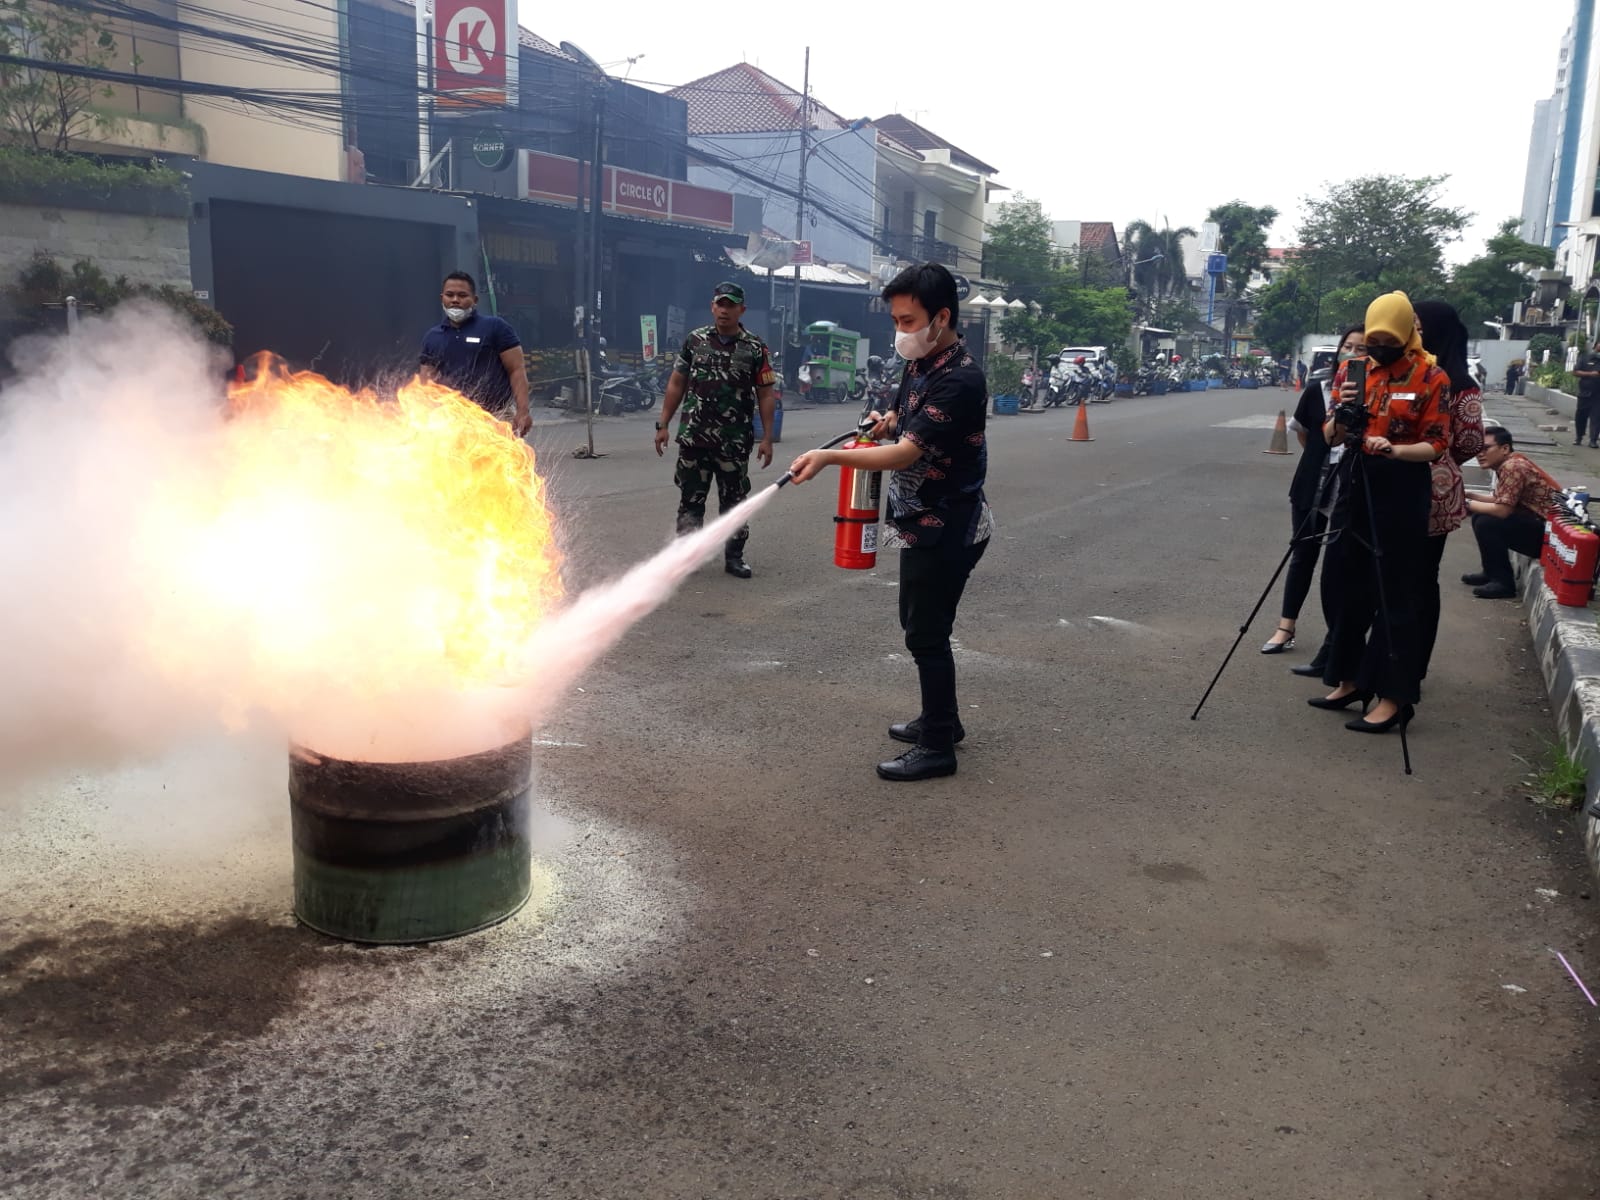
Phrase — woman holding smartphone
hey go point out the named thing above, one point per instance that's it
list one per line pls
(1377, 644)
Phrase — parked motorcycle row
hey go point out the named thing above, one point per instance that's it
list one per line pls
(1074, 379)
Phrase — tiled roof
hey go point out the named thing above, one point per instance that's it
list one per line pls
(904, 129)
(1097, 235)
(745, 99)
(534, 42)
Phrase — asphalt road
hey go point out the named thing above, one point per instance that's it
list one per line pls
(1121, 954)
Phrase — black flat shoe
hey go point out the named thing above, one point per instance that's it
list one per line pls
(1401, 716)
(1495, 591)
(1310, 669)
(911, 731)
(737, 567)
(1475, 579)
(1342, 701)
(1279, 647)
(918, 763)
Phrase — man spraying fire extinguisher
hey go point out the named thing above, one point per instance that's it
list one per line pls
(937, 517)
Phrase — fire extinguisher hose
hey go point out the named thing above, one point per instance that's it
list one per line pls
(843, 437)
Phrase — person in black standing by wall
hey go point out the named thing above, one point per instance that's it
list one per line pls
(1305, 492)
(938, 516)
(1588, 373)
(478, 356)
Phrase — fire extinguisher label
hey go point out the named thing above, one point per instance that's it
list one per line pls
(869, 539)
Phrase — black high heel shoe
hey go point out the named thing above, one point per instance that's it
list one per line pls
(1342, 701)
(1280, 647)
(1401, 716)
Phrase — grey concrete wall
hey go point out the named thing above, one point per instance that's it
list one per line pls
(147, 249)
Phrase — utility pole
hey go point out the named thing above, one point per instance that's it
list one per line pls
(589, 290)
(800, 202)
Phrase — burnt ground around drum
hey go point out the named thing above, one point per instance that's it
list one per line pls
(1121, 955)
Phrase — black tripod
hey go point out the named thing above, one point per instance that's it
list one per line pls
(1352, 467)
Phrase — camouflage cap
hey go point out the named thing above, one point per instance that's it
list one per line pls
(731, 290)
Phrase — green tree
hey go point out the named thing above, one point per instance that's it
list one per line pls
(1242, 236)
(1155, 257)
(1490, 284)
(1285, 311)
(1381, 230)
(1019, 252)
(46, 108)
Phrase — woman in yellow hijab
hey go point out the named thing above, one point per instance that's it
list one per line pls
(1381, 543)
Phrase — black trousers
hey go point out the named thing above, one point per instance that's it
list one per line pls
(1522, 531)
(932, 579)
(1428, 601)
(1307, 529)
(1587, 414)
(1382, 656)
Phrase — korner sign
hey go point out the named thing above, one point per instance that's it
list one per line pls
(629, 193)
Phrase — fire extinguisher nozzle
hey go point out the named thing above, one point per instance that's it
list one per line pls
(787, 477)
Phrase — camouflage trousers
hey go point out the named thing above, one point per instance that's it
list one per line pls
(698, 468)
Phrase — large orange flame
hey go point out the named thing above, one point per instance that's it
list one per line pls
(367, 558)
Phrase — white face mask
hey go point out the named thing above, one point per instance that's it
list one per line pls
(915, 344)
(458, 315)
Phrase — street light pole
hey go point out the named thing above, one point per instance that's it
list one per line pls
(800, 201)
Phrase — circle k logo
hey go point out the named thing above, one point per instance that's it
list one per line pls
(470, 40)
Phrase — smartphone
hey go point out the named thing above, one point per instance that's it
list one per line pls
(1355, 371)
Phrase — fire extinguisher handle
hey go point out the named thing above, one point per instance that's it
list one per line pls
(788, 477)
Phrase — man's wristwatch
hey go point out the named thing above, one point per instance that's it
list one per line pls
(659, 426)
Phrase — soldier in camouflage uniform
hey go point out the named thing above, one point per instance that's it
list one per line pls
(722, 372)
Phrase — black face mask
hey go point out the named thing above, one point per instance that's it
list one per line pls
(1386, 356)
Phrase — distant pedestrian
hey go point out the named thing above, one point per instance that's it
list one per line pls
(1511, 518)
(1300, 370)
(723, 372)
(1513, 373)
(476, 355)
(1588, 413)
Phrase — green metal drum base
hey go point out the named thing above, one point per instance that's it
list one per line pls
(391, 853)
(414, 904)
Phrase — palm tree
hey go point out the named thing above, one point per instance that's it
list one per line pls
(1157, 256)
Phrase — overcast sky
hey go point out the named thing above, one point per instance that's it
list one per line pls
(1159, 109)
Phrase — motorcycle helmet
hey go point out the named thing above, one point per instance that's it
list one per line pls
(1177, 358)
(1053, 359)
(874, 364)
(1079, 361)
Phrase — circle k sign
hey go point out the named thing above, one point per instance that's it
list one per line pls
(470, 41)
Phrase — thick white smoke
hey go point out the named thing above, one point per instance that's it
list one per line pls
(162, 584)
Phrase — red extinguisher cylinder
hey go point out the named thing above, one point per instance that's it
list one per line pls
(855, 523)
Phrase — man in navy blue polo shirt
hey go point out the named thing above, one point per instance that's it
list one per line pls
(478, 356)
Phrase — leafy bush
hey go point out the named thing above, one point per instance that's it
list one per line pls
(23, 171)
(1004, 375)
(44, 283)
(1540, 342)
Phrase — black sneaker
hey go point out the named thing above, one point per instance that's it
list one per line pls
(911, 731)
(918, 763)
(1475, 579)
(1495, 591)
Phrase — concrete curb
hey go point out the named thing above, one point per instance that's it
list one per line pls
(1568, 644)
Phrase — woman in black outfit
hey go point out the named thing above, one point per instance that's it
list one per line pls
(1305, 492)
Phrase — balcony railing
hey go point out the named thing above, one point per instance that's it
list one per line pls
(915, 248)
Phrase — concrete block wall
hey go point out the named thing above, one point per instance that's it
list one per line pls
(147, 249)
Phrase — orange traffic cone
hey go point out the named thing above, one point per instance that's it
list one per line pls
(1080, 428)
(1280, 436)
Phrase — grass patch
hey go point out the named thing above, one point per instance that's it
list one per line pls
(1559, 781)
(22, 170)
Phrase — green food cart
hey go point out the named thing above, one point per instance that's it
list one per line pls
(831, 354)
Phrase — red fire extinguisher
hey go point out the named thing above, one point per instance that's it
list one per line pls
(855, 524)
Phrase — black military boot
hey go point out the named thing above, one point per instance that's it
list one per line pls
(733, 558)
